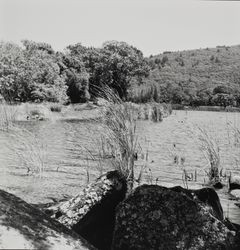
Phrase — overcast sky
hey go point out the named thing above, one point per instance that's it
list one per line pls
(153, 26)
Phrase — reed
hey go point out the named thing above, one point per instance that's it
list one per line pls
(210, 148)
(27, 151)
(119, 136)
(7, 116)
(144, 93)
(55, 107)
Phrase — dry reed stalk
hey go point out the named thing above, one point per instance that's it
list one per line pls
(28, 151)
(210, 148)
(119, 132)
(7, 116)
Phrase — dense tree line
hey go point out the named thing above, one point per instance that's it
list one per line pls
(194, 77)
(34, 72)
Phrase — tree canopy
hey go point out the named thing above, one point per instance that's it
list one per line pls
(30, 73)
(35, 72)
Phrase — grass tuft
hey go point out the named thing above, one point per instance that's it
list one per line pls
(210, 148)
(7, 116)
(55, 107)
(27, 150)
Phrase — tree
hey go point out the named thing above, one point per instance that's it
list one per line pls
(30, 73)
(11, 74)
(118, 64)
(223, 100)
(77, 77)
(222, 89)
(46, 81)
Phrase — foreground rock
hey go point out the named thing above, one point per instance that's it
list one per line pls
(234, 182)
(236, 194)
(92, 213)
(155, 217)
(24, 227)
(207, 196)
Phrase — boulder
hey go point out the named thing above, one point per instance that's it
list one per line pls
(206, 195)
(101, 102)
(92, 213)
(22, 226)
(155, 217)
(234, 182)
(235, 193)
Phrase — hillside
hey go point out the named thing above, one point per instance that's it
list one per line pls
(191, 77)
(34, 72)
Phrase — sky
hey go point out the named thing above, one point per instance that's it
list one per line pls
(153, 26)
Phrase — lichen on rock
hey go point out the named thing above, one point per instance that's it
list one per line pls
(92, 213)
(155, 217)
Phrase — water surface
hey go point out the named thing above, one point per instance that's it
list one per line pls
(63, 151)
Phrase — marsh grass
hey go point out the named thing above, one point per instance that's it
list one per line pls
(119, 121)
(211, 151)
(7, 116)
(119, 144)
(179, 161)
(55, 107)
(27, 151)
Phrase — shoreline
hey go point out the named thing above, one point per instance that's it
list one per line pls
(24, 112)
(206, 108)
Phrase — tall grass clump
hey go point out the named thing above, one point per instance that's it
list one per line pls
(55, 107)
(148, 92)
(27, 151)
(119, 122)
(7, 116)
(210, 148)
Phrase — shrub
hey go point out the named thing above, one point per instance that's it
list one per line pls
(56, 107)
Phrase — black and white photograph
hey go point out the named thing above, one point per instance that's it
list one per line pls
(119, 125)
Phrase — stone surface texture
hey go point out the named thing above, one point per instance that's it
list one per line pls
(92, 213)
(155, 217)
(22, 226)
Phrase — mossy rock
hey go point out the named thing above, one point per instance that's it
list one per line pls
(155, 217)
(91, 213)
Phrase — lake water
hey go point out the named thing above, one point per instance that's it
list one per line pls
(63, 150)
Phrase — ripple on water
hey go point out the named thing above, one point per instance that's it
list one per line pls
(62, 146)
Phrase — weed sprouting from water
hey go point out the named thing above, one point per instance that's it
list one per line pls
(211, 151)
(119, 121)
(27, 150)
(7, 116)
(119, 139)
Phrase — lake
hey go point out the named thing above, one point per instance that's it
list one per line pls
(64, 151)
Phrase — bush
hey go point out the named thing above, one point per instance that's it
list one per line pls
(56, 107)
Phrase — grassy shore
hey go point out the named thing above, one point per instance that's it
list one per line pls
(206, 108)
(84, 111)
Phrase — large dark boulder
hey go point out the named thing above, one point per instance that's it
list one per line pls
(92, 213)
(206, 195)
(22, 226)
(234, 182)
(155, 217)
